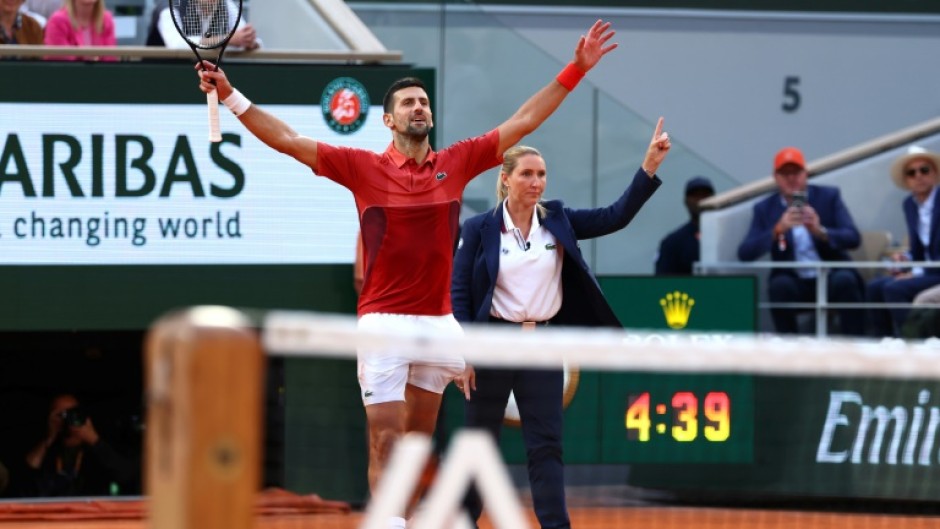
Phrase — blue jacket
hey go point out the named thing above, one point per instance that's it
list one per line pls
(679, 251)
(918, 251)
(476, 263)
(833, 215)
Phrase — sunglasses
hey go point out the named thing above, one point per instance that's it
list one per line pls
(923, 169)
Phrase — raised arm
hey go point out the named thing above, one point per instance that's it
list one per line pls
(589, 51)
(264, 126)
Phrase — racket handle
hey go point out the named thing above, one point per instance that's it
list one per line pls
(215, 134)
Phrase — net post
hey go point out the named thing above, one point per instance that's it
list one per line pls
(204, 372)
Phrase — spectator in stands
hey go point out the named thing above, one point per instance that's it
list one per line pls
(36, 16)
(44, 8)
(804, 223)
(72, 459)
(81, 23)
(680, 249)
(916, 171)
(17, 27)
(163, 32)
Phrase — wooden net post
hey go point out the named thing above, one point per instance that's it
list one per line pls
(204, 373)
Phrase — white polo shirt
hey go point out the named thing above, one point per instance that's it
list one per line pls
(528, 285)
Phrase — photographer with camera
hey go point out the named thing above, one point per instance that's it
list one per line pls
(72, 459)
(804, 223)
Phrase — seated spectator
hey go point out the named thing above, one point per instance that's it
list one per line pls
(807, 224)
(17, 27)
(81, 23)
(44, 8)
(36, 16)
(679, 250)
(153, 33)
(72, 459)
(916, 172)
(164, 33)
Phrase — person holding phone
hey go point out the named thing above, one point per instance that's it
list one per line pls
(807, 224)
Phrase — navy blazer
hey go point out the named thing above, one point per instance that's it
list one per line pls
(833, 215)
(918, 251)
(679, 251)
(476, 263)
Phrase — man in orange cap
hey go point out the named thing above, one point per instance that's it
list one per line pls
(806, 224)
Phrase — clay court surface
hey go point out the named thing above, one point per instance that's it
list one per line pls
(582, 518)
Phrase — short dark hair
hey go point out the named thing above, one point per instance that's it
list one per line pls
(404, 82)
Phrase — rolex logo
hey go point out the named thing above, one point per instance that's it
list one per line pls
(677, 306)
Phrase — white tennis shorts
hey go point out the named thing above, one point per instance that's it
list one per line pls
(384, 371)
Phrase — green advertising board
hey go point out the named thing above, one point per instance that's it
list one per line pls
(641, 418)
(732, 437)
(826, 438)
(683, 303)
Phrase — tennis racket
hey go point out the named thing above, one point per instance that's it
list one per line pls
(207, 25)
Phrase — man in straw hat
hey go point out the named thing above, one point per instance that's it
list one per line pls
(804, 223)
(916, 171)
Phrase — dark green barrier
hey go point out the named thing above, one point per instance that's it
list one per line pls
(827, 437)
(694, 303)
(688, 418)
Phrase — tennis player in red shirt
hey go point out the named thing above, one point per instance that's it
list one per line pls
(408, 199)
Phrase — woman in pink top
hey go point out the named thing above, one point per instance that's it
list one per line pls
(81, 23)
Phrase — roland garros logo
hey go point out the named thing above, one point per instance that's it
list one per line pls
(345, 104)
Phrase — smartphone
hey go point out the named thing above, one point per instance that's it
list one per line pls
(798, 199)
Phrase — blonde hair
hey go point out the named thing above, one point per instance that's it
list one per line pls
(510, 162)
(97, 15)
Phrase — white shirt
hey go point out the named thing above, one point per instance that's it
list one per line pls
(924, 218)
(528, 285)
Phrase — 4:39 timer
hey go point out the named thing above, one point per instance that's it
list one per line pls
(643, 418)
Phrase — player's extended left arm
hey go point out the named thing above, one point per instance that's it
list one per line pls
(588, 52)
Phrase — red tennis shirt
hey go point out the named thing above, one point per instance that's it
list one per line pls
(409, 217)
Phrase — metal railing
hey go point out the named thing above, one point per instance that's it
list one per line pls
(822, 305)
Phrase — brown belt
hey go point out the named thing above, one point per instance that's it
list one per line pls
(526, 325)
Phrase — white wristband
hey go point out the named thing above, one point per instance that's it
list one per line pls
(237, 103)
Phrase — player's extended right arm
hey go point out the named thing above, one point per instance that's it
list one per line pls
(264, 126)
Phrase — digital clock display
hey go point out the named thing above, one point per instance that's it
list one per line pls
(672, 418)
(714, 417)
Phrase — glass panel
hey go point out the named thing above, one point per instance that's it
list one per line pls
(592, 145)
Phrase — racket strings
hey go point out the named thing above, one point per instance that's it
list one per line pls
(204, 23)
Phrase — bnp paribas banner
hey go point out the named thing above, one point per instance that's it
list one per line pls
(108, 183)
(139, 184)
(115, 208)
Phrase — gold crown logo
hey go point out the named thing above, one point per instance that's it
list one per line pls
(677, 306)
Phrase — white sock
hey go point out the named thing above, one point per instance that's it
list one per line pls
(396, 522)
